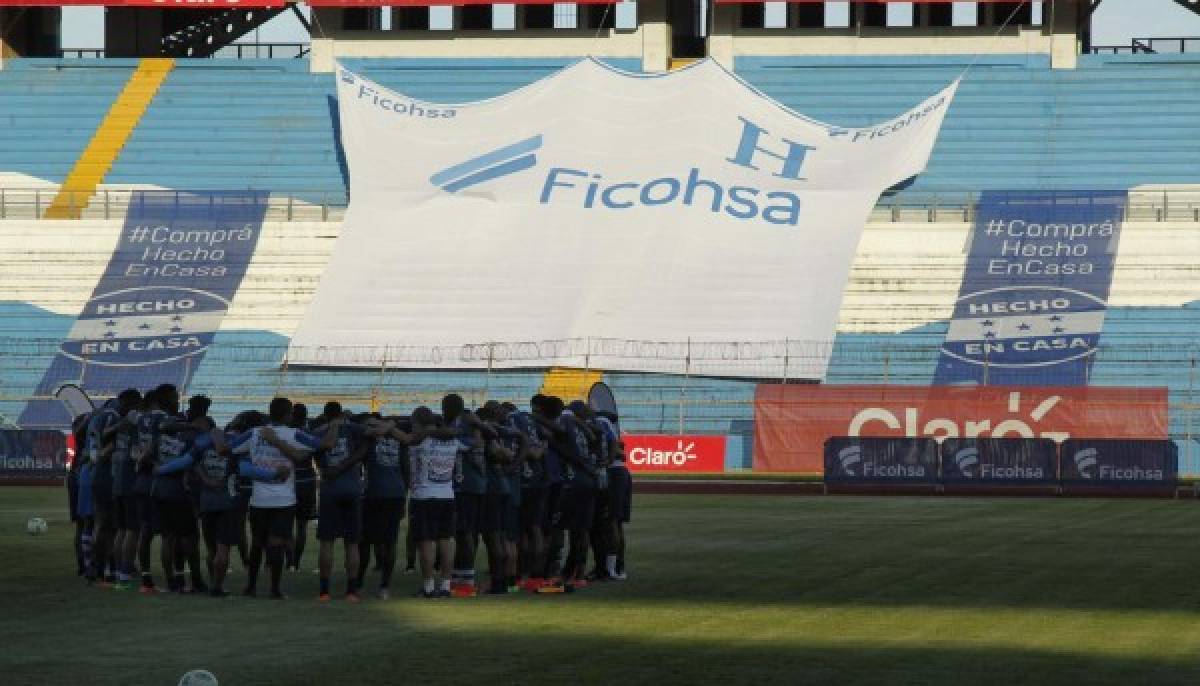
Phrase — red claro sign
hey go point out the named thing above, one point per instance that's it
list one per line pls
(666, 453)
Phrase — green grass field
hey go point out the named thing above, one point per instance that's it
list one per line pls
(723, 590)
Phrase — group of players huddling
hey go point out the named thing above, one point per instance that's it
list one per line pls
(541, 489)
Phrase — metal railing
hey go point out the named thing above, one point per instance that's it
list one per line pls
(680, 397)
(1167, 205)
(1150, 46)
(113, 203)
(241, 51)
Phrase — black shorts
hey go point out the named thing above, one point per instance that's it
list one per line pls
(533, 508)
(494, 505)
(602, 513)
(102, 498)
(174, 517)
(272, 522)
(431, 519)
(306, 501)
(620, 494)
(125, 513)
(143, 511)
(512, 520)
(340, 518)
(381, 520)
(576, 509)
(222, 528)
(468, 512)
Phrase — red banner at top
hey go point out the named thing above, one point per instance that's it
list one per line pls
(172, 4)
(431, 3)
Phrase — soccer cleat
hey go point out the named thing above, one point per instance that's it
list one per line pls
(532, 584)
(552, 587)
(149, 590)
(464, 591)
(199, 588)
(353, 598)
(278, 595)
(429, 595)
(442, 593)
(515, 588)
(410, 570)
(619, 576)
(218, 593)
(249, 592)
(324, 598)
(384, 594)
(579, 583)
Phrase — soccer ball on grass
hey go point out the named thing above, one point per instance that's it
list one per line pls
(36, 526)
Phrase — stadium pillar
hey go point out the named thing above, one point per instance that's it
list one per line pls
(30, 31)
(720, 38)
(1063, 24)
(133, 31)
(656, 35)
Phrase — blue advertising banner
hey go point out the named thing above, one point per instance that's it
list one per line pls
(1010, 461)
(881, 460)
(32, 455)
(1120, 463)
(160, 301)
(1034, 293)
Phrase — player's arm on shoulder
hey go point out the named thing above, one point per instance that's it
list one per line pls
(290, 451)
(179, 464)
(249, 470)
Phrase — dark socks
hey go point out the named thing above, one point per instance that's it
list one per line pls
(275, 562)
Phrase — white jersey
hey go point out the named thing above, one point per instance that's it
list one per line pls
(263, 454)
(434, 462)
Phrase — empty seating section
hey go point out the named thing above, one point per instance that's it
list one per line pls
(50, 109)
(1115, 122)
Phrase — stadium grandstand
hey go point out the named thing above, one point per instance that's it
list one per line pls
(177, 106)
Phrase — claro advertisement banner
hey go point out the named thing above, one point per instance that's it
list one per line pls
(792, 422)
(671, 454)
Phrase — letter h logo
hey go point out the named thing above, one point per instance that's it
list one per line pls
(792, 161)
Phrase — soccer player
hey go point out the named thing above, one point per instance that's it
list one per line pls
(578, 499)
(532, 515)
(383, 506)
(79, 487)
(306, 493)
(499, 453)
(145, 454)
(272, 505)
(620, 499)
(217, 475)
(174, 517)
(99, 453)
(435, 464)
(471, 487)
(340, 504)
(122, 434)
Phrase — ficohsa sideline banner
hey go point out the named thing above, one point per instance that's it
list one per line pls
(792, 422)
(674, 454)
(32, 455)
(598, 204)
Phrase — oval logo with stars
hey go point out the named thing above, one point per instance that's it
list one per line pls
(1025, 326)
(149, 325)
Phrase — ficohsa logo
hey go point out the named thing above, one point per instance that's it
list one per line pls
(967, 459)
(1085, 463)
(649, 457)
(850, 458)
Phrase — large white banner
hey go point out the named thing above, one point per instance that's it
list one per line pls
(599, 205)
